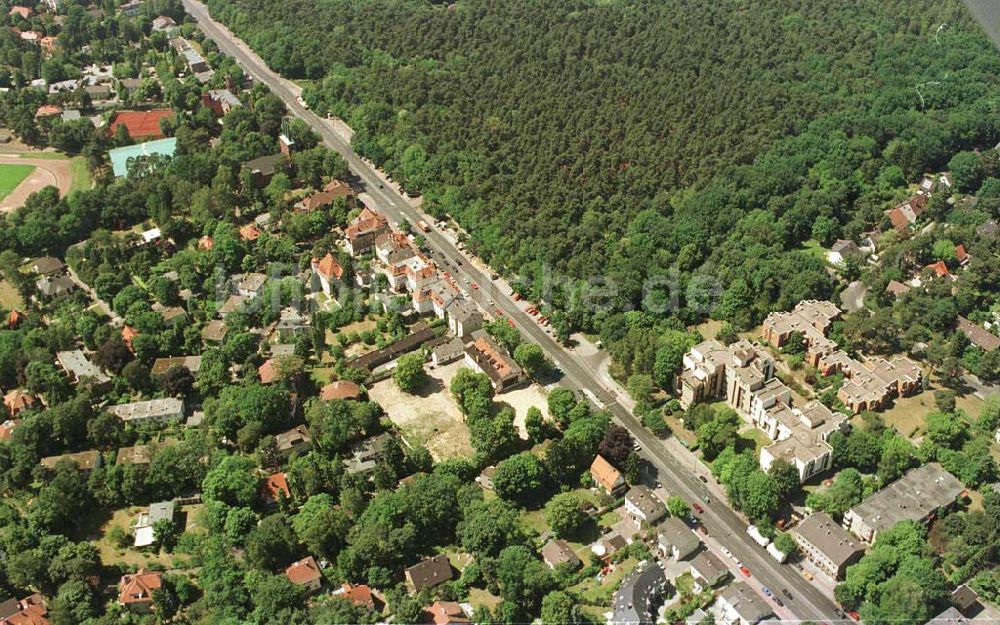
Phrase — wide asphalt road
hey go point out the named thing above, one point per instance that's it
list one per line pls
(720, 520)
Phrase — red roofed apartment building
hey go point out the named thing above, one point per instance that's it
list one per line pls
(141, 125)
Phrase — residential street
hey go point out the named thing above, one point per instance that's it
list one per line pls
(676, 466)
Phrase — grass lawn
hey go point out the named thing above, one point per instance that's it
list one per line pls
(11, 176)
(681, 433)
(80, 174)
(813, 248)
(598, 591)
(48, 156)
(10, 299)
(478, 596)
(757, 438)
(322, 375)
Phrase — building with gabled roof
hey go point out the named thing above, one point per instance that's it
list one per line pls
(637, 600)
(977, 335)
(17, 400)
(329, 271)
(643, 506)
(28, 611)
(826, 544)
(296, 440)
(274, 488)
(446, 613)
(340, 389)
(428, 573)
(486, 356)
(221, 101)
(362, 231)
(305, 573)
(739, 604)
(676, 540)
(707, 570)
(135, 591)
(263, 168)
(557, 552)
(606, 476)
(358, 594)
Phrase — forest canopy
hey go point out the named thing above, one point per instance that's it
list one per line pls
(636, 139)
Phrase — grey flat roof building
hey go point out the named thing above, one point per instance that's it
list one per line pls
(914, 497)
(151, 410)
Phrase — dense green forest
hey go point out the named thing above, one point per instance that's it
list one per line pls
(631, 139)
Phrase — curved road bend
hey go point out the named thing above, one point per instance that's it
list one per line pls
(718, 518)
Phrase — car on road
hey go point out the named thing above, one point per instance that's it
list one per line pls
(808, 575)
(636, 446)
(703, 479)
(697, 507)
(767, 591)
(706, 499)
(703, 530)
(474, 285)
(745, 571)
(785, 592)
(779, 602)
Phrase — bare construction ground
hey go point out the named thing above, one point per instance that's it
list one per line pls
(430, 417)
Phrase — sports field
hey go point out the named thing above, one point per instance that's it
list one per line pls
(11, 176)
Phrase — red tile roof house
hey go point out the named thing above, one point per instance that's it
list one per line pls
(274, 489)
(328, 270)
(17, 400)
(606, 476)
(28, 611)
(446, 613)
(250, 232)
(341, 389)
(360, 595)
(319, 199)
(129, 333)
(305, 573)
(141, 125)
(906, 213)
(268, 371)
(48, 111)
(940, 270)
(135, 592)
(7, 430)
(961, 255)
(15, 318)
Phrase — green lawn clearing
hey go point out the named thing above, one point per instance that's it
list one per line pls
(79, 174)
(47, 156)
(11, 176)
(10, 299)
